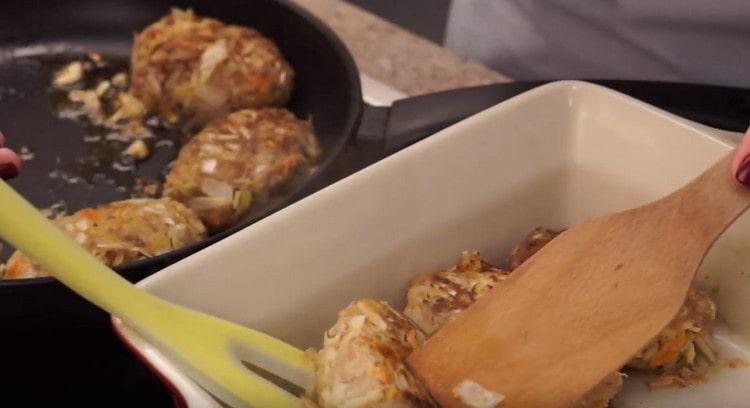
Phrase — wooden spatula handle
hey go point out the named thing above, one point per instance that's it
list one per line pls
(711, 202)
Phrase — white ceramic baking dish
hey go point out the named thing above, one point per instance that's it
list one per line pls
(553, 157)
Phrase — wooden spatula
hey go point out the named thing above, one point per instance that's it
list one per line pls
(583, 305)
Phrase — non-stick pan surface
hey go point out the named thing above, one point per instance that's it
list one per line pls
(38, 37)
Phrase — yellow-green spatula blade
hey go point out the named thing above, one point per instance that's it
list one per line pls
(208, 349)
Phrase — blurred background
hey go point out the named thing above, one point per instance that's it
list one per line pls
(691, 41)
(427, 18)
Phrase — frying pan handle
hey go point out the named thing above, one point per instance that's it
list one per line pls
(412, 119)
(415, 118)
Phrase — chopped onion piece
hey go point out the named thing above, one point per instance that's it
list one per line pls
(208, 203)
(476, 396)
(101, 88)
(120, 80)
(215, 188)
(81, 238)
(82, 224)
(241, 200)
(138, 150)
(91, 104)
(130, 108)
(211, 58)
(68, 75)
(208, 166)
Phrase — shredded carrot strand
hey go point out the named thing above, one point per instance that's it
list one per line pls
(89, 213)
(669, 351)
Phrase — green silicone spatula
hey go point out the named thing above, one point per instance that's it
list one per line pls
(211, 351)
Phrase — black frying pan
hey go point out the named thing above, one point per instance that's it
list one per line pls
(48, 32)
(35, 37)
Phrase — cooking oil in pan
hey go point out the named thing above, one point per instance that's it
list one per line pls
(105, 156)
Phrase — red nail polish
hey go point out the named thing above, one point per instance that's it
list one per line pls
(743, 172)
(8, 170)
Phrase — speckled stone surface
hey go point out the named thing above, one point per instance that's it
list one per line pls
(397, 57)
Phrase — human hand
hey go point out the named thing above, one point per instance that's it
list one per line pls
(10, 163)
(741, 161)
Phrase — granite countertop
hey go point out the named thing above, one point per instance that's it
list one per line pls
(395, 56)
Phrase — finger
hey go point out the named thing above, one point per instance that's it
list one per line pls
(2, 139)
(10, 163)
(741, 161)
